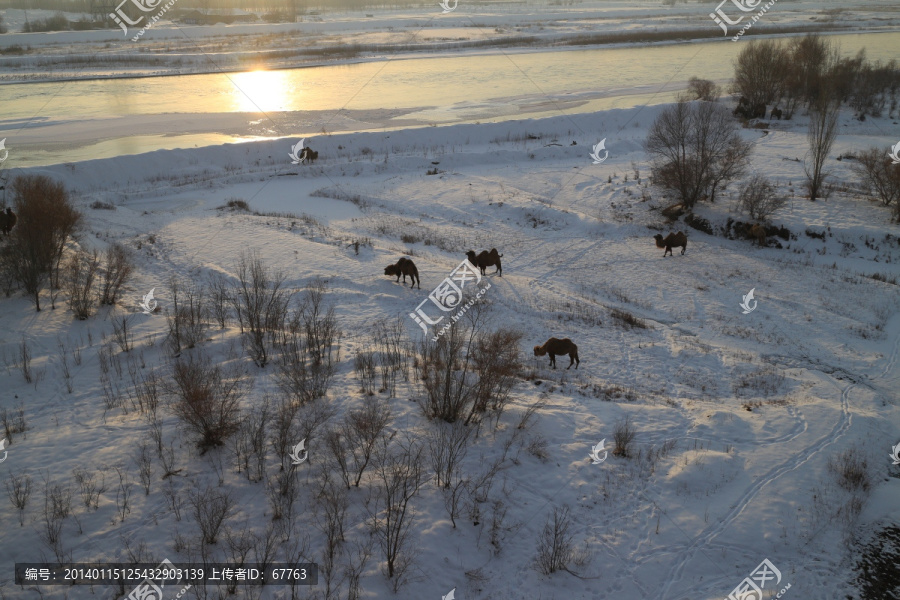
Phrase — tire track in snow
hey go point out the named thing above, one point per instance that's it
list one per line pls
(706, 538)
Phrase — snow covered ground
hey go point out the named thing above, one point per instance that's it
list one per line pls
(737, 415)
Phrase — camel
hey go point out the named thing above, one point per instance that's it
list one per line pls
(673, 240)
(308, 154)
(559, 347)
(776, 113)
(7, 221)
(404, 267)
(759, 234)
(486, 259)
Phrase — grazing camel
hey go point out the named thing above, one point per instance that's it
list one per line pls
(7, 221)
(486, 259)
(308, 154)
(673, 240)
(561, 347)
(404, 267)
(759, 234)
(776, 113)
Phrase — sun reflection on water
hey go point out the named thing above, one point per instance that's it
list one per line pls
(262, 91)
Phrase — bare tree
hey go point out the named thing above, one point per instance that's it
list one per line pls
(220, 295)
(122, 331)
(353, 443)
(187, 320)
(207, 399)
(143, 459)
(364, 366)
(249, 443)
(820, 135)
(117, 268)
(760, 71)
(400, 473)
(82, 270)
(392, 357)
(210, 507)
(696, 149)
(760, 198)
(46, 220)
(447, 445)
(879, 177)
(556, 544)
(261, 302)
(497, 363)
(18, 488)
(89, 487)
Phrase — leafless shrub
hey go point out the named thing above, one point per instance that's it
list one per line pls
(364, 366)
(282, 491)
(207, 399)
(261, 303)
(556, 544)
(453, 495)
(112, 395)
(285, 429)
(63, 354)
(13, 421)
(23, 361)
(146, 393)
(239, 543)
(447, 444)
(82, 270)
(18, 488)
(173, 499)
(47, 219)
(331, 512)
(392, 357)
(353, 442)
(167, 458)
(400, 473)
(122, 332)
(760, 198)
(220, 297)
(760, 72)
(537, 447)
(356, 565)
(117, 268)
(123, 493)
(626, 320)
(306, 363)
(144, 462)
(851, 470)
(187, 320)
(446, 374)
(210, 507)
(623, 436)
(701, 89)
(249, 443)
(879, 176)
(89, 488)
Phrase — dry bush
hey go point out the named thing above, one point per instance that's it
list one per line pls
(701, 89)
(18, 488)
(880, 177)
(220, 297)
(47, 219)
(497, 363)
(821, 133)
(210, 507)
(88, 486)
(400, 472)
(122, 332)
(188, 319)
(446, 374)
(623, 436)
(82, 270)
(392, 357)
(556, 544)
(353, 442)
(364, 367)
(760, 71)
(760, 198)
(249, 444)
(207, 399)
(118, 265)
(447, 444)
(851, 470)
(261, 303)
